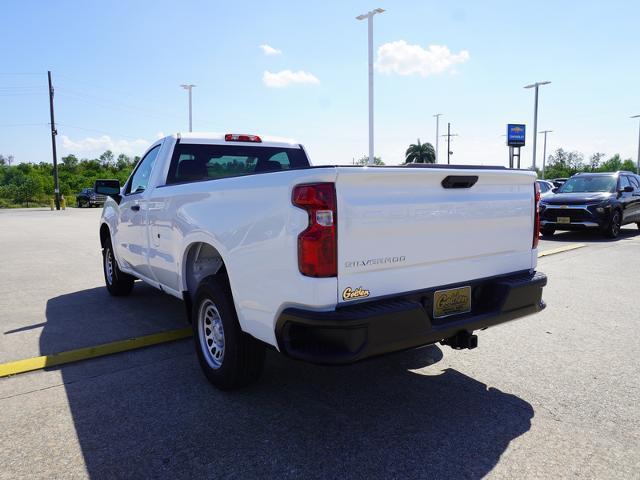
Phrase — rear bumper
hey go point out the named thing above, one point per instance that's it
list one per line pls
(355, 332)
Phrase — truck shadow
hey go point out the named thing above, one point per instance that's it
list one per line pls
(152, 414)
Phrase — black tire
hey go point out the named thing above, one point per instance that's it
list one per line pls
(78, 204)
(118, 283)
(547, 231)
(613, 229)
(230, 358)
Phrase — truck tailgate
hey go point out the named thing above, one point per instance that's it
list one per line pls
(400, 230)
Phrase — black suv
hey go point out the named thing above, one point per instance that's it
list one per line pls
(593, 200)
(88, 198)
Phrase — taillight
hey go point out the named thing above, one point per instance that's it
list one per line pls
(241, 137)
(317, 245)
(536, 215)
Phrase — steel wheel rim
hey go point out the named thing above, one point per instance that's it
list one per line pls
(211, 334)
(108, 266)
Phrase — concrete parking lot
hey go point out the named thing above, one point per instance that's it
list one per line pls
(550, 396)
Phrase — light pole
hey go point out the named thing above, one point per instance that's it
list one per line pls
(189, 87)
(638, 163)
(535, 117)
(369, 17)
(437, 115)
(544, 150)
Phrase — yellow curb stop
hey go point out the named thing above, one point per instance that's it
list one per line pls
(36, 363)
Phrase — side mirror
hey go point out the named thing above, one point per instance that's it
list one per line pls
(110, 188)
(554, 189)
(627, 189)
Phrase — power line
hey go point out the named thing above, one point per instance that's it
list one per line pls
(21, 73)
(11, 87)
(100, 131)
(23, 124)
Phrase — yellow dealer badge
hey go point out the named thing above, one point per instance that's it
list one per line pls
(354, 293)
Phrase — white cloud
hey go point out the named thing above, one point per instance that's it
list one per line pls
(405, 59)
(91, 146)
(287, 77)
(269, 50)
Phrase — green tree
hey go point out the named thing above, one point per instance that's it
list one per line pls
(30, 189)
(106, 159)
(364, 160)
(123, 162)
(612, 165)
(70, 162)
(629, 165)
(8, 160)
(420, 153)
(594, 161)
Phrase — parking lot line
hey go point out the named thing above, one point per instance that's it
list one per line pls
(566, 248)
(36, 363)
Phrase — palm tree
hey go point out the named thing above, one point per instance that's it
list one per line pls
(420, 153)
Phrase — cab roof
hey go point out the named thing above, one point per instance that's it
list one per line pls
(219, 139)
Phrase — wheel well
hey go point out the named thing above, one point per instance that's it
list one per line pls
(104, 234)
(201, 261)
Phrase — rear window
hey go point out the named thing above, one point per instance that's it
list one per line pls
(192, 162)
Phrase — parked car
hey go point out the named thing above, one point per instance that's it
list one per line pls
(326, 264)
(605, 201)
(88, 198)
(557, 182)
(546, 188)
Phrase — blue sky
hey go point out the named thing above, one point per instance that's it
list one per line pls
(117, 67)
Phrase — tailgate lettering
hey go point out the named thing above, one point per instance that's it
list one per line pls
(374, 261)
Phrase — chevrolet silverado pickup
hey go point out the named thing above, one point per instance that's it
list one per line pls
(326, 264)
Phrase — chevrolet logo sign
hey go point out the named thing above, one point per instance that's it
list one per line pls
(564, 206)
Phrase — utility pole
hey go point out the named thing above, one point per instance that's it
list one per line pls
(535, 117)
(54, 132)
(189, 87)
(544, 150)
(449, 135)
(369, 17)
(437, 115)
(638, 164)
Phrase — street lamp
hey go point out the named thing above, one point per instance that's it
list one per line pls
(189, 87)
(638, 164)
(535, 117)
(544, 150)
(437, 115)
(369, 17)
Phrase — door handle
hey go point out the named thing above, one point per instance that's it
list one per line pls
(135, 208)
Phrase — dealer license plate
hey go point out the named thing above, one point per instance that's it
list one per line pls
(564, 220)
(451, 301)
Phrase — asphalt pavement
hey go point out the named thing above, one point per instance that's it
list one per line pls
(553, 395)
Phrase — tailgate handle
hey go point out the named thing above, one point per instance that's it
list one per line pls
(459, 181)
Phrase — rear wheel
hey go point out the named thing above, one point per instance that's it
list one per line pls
(229, 358)
(613, 229)
(118, 283)
(547, 231)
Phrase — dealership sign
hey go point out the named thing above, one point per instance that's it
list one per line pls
(515, 135)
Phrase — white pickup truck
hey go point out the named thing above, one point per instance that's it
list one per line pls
(328, 264)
